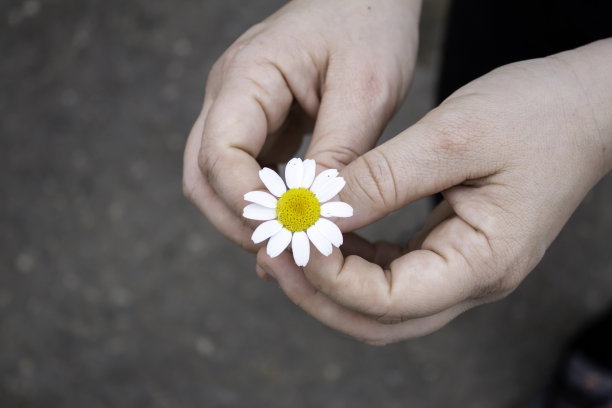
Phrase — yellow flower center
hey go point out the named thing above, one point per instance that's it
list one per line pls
(298, 209)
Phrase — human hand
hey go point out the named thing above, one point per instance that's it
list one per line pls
(513, 154)
(346, 64)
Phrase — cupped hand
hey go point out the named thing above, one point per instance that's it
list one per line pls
(513, 154)
(344, 65)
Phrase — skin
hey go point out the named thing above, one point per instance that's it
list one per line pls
(303, 67)
(513, 153)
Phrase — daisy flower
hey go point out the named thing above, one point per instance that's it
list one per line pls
(296, 213)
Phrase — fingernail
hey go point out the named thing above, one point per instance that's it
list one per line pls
(265, 273)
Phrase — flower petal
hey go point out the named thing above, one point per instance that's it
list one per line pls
(319, 240)
(274, 183)
(310, 167)
(294, 173)
(258, 212)
(261, 198)
(278, 242)
(336, 209)
(330, 231)
(323, 178)
(330, 189)
(266, 230)
(300, 248)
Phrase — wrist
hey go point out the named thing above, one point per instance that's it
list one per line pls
(591, 65)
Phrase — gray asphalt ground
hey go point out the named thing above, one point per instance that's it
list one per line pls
(115, 292)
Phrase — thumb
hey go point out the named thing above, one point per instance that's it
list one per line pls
(440, 151)
(355, 107)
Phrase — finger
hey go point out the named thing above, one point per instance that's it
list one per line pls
(381, 253)
(258, 89)
(248, 107)
(452, 266)
(355, 107)
(197, 189)
(363, 327)
(247, 98)
(200, 193)
(442, 150)
(442, 212)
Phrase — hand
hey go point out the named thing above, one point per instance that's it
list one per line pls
(513, 154)
(346, 64)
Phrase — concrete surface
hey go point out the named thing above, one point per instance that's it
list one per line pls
(115, 292)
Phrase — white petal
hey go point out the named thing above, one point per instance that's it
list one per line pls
(330, 189)
(258, 212)
(301, 248)
(278, 242)
(330, 231)
(322, 179)
(294, 173)
(261, 198)
(274, 183)
(310, 167)
(266, 230)
(336, 209)
(319, 240)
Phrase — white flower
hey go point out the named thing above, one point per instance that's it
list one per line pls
(297, 215)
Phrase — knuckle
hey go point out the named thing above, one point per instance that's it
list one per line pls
(234, 54)
(509, 261)
(207, 161)
(501, 288)
(509, 282)
(188, 187)
(519, 262)
(230, 55)
(261, 86)
(459, 131)
(370, 85)
(454, 133)
(335, 156)
(189, 184)
(244, 54)
(499, 285)
(241, 53)
(379, 183)
(225, 63)
(203, 160)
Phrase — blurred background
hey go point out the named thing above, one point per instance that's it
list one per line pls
(115, 292)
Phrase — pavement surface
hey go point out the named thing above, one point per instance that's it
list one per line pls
(115, 292)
